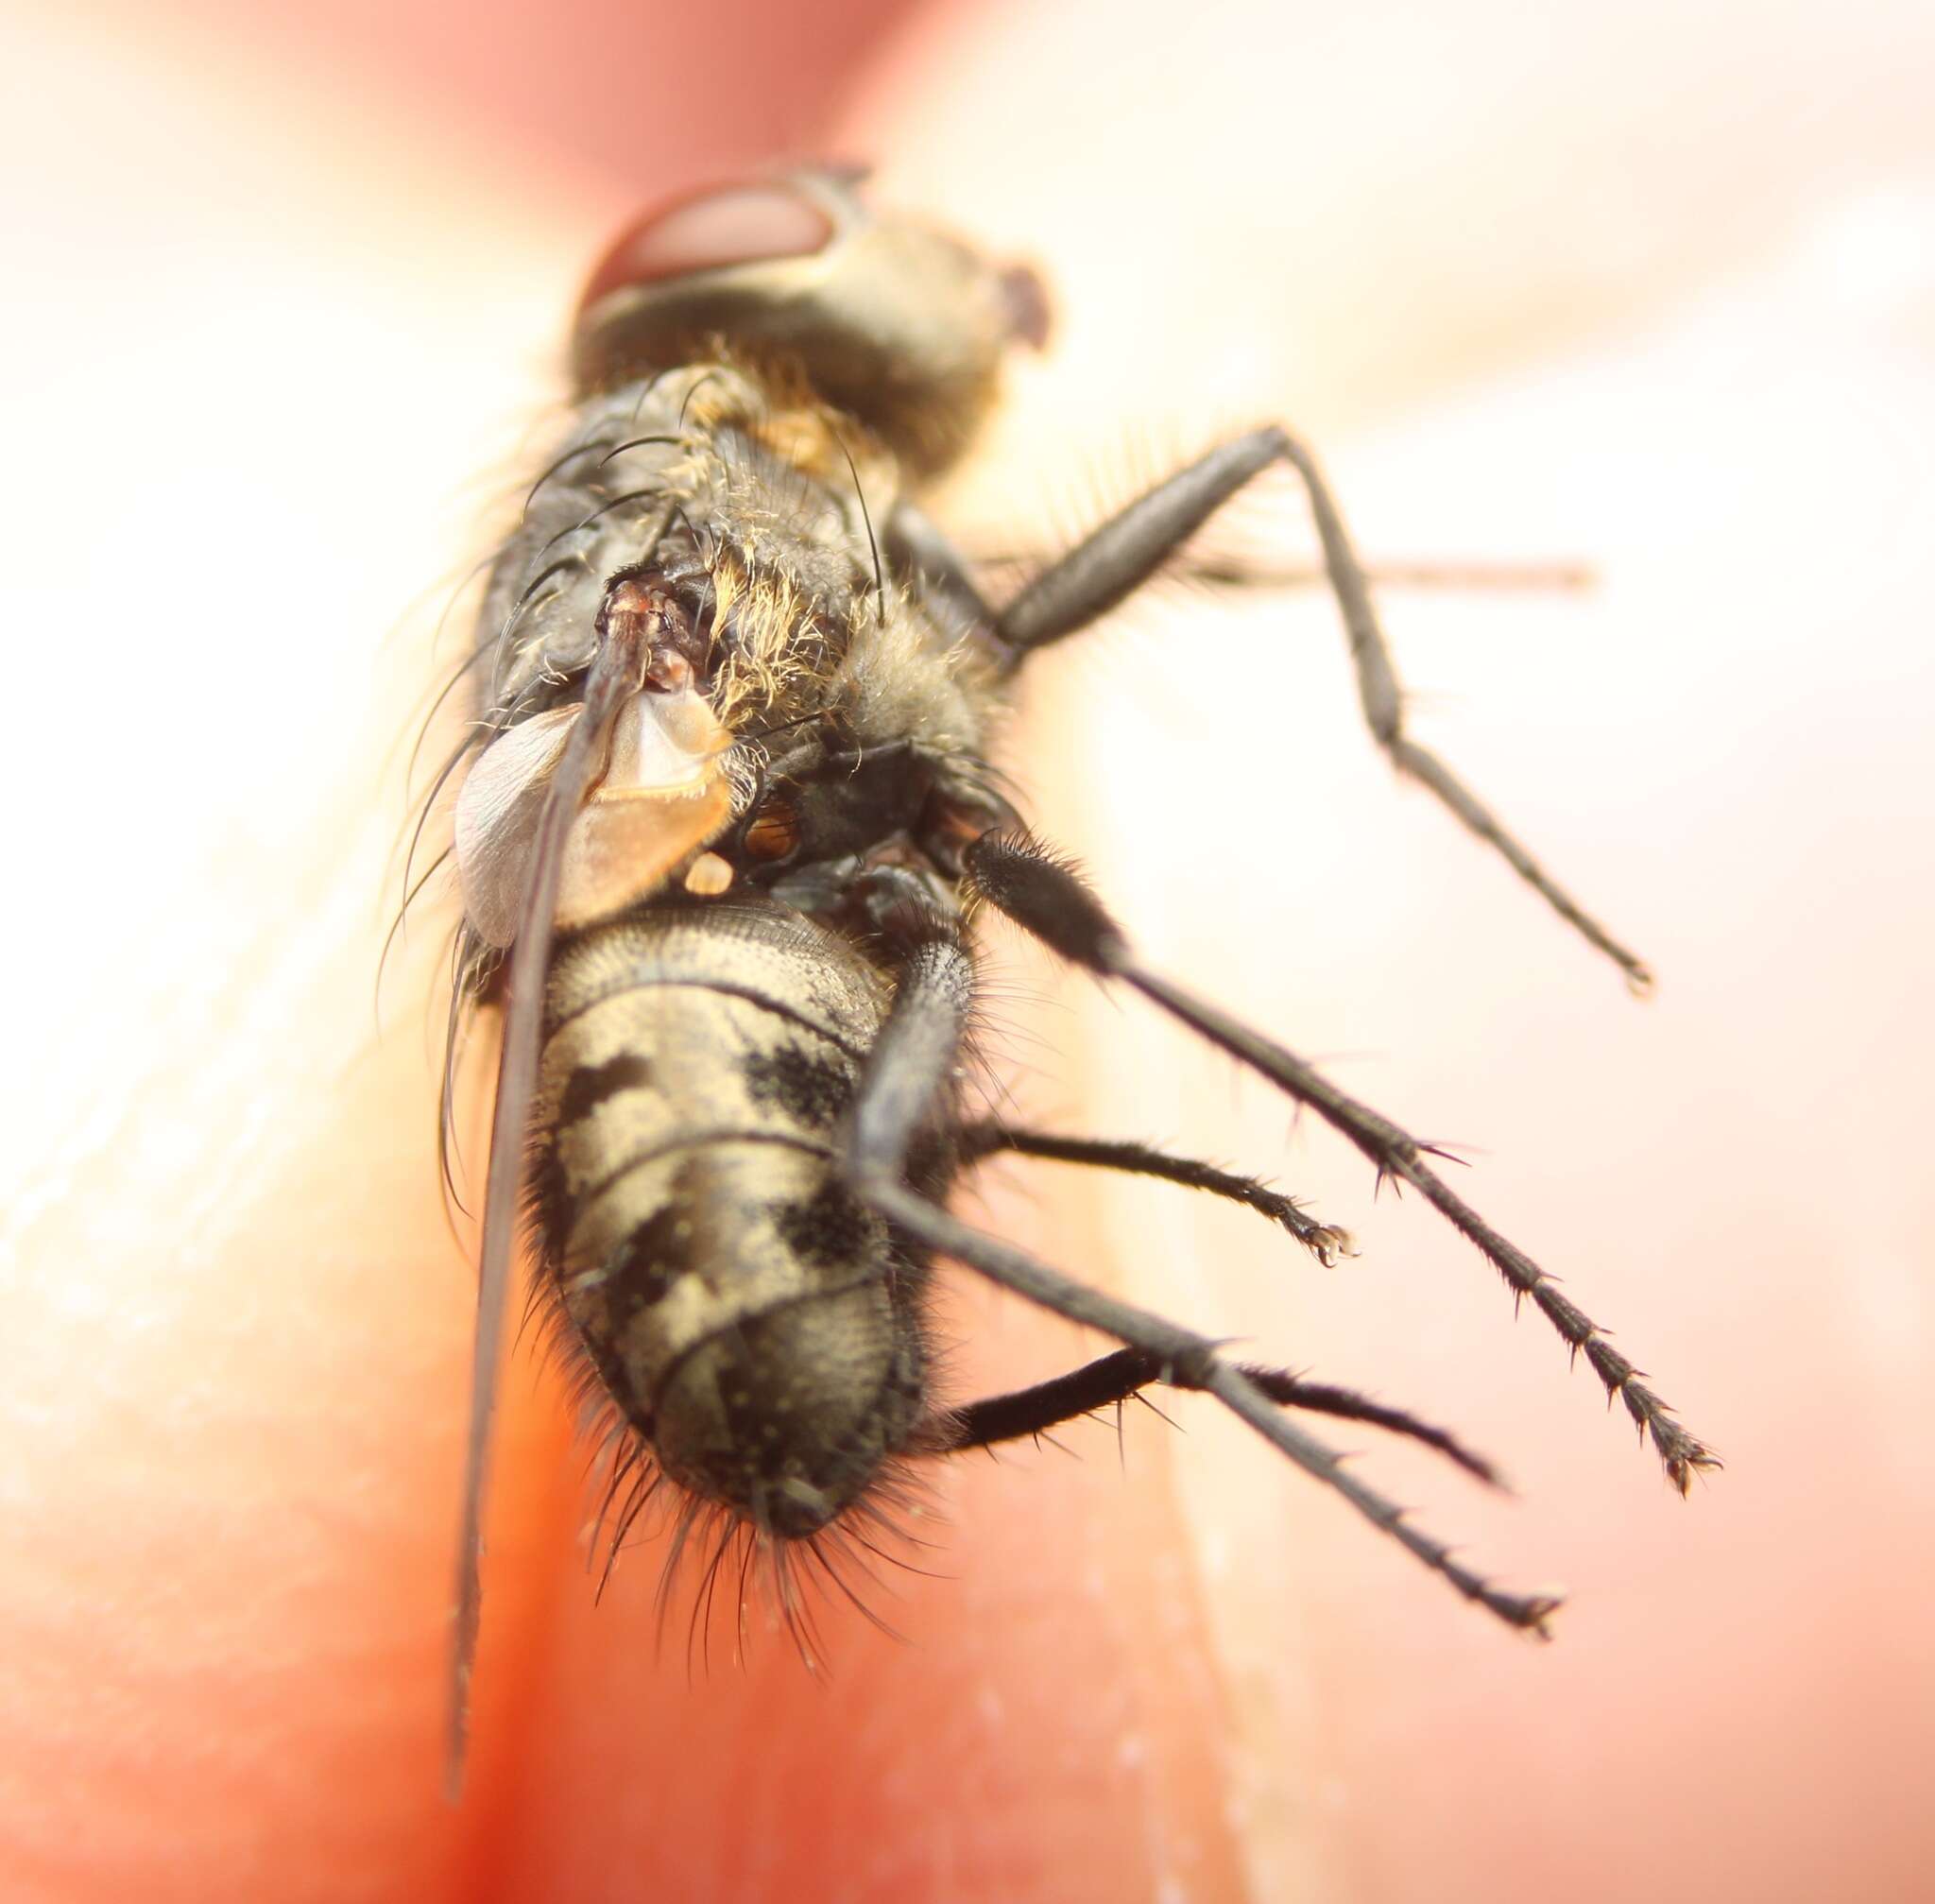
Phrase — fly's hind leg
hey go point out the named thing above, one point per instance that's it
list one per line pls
(1050, 902)
(904, 1088)
(1030, 1412)
(1118, 557)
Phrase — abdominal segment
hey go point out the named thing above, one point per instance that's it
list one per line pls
(748, 1317)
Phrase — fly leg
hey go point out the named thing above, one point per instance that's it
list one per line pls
(915, 541)
(1118, 557)
(1241, 571)
(1237, 570)
(1326, 1242)
(1048, 901)
(918, 546)
(904, 1090)
(1029, 1412)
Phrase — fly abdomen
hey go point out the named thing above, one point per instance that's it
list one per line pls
(752, 1319)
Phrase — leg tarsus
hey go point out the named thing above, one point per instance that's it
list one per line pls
(1326, 1242)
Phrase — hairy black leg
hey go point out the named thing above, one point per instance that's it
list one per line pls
(1114, 1378)
(1235, 570)
(1049, 901)
(1243, 572)
(905, 1085)
(1118, 557)
(1326, 1242)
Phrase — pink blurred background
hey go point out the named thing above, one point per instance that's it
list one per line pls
(1655, 290)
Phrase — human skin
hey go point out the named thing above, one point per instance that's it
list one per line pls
(233, 1412)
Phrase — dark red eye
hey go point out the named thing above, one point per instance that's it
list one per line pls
(710, 231)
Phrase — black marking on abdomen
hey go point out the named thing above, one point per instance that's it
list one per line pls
(829, 1228)
(644, 1268)
(591, 1085)
(812, 1088)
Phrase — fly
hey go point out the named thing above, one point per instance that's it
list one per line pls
(727, 804)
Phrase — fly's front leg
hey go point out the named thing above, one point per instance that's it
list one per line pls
(906, 1086)
(1231, 569)
(1243, 571)
(917, 544)
(1113, 562)
(1050, 902)
(1325, 1240)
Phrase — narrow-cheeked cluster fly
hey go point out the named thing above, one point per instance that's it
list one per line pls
(721, 814)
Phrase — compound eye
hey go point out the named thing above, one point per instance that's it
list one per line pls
(710, 231)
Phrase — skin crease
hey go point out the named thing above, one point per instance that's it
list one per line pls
(1691, 339)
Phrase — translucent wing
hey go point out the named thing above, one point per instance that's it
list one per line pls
(497, 816)
(662, 794)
